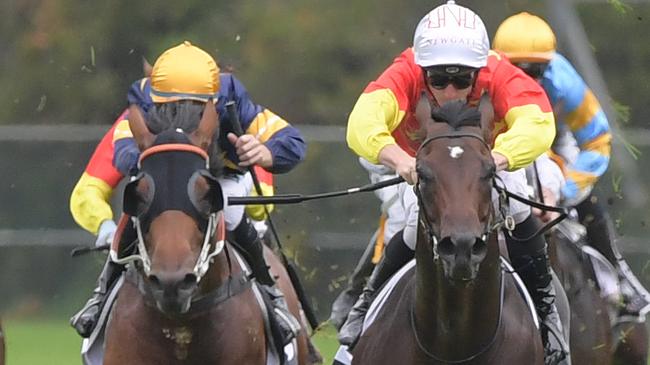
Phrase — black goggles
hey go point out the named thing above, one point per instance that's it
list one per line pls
(533, 69)
(440, 80)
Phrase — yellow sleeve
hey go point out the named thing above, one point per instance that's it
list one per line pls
(530, 133)
(257, 212)
(89, 203)
(122, 130)
(375, 115)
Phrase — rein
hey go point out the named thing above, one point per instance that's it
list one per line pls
(508, 221)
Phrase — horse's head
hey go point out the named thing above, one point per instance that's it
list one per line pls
(455, 171)
(174, 202)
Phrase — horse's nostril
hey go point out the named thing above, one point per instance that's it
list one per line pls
(153, 279)
(446, 247)
(479, 248)
(189, 280)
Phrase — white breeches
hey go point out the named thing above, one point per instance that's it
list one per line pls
(514, 181)
(389, 197)
(234, 185)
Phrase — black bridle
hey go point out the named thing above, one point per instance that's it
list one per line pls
(424, 218)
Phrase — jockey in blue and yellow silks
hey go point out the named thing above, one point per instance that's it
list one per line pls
(583, 143)
(181, 77)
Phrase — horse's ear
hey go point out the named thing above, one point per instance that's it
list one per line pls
(143, 137)
(486, 109)
(208, 125)
(146, 67)
(423, 110)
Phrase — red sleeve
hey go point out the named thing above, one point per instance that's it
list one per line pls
(101, 162)
(510, 87)
(403, 77)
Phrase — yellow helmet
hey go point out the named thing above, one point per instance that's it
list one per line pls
(525, 37)
(184, 72)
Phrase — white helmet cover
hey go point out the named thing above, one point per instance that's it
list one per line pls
(451, 35)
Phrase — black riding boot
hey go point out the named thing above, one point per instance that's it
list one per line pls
(396, 255)
(344, 301)
(530, 259)
(86, 319)
(600, 235)
(246, 237)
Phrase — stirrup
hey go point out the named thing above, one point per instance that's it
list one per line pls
(85, 321)
(287, 323)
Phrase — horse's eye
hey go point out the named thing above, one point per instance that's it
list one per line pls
(424, 175)
(490, 172)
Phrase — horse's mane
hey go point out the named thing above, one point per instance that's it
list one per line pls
(171, 136)
(457, 114)
(165, 118)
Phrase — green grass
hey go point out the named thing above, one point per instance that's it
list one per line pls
(50, 342)
(53, 342)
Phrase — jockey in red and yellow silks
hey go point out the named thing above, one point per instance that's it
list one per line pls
(384, 113)
(90, 198)
(451, 60)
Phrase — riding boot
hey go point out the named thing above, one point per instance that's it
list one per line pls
(286, 324)
(396, 255)
(635, 301)
(635, 298)
(530, 259)
(86, 319)
(344, 301)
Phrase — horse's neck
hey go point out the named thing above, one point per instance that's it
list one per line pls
(456, 319)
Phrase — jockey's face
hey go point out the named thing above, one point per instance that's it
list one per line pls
(533, 69)
(449, 83)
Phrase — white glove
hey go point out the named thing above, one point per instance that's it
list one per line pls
(105, 233)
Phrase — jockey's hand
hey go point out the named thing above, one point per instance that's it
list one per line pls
(500, 161)
(549, 199)
(251, 151)
(105, 233)
(397, 159)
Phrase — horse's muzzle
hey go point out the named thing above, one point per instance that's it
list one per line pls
(173, 292)
(461, 256)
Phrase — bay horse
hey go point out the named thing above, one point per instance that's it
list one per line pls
(591, 337)
(631, 343)
(457, 305)
(187, 299)
(595, 337)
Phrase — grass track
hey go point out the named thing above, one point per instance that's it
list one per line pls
(53, 342)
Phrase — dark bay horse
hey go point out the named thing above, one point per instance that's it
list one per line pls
(594, 340)
(591, 337)
(631, 343)
(458, 305)
(187, 299)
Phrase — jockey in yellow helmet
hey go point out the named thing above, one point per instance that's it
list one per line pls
(186, 74)
(583, 140)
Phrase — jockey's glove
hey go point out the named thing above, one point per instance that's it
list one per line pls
(105, 233)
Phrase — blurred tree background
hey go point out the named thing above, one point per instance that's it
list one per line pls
(71, 62)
